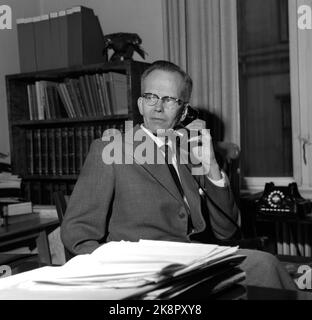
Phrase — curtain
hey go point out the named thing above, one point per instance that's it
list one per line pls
(201, 37)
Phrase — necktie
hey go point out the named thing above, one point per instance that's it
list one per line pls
(168, 159)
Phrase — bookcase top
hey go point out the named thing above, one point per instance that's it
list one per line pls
(76, 70)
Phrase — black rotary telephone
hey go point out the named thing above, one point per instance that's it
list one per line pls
(283, 201)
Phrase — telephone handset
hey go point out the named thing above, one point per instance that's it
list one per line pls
(191, 115)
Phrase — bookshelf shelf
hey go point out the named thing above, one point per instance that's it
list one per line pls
(122, 67)
(48, 147)
(47, 177)
(51, 122)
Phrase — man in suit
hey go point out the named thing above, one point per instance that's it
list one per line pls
(139, 196)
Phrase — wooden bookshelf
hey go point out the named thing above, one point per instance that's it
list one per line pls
(48, 153)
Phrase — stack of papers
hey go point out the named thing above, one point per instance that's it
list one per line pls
(140, 270)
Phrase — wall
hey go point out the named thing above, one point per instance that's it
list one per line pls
(9, 61)
(143, 17)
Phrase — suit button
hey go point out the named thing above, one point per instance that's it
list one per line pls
(182, 215)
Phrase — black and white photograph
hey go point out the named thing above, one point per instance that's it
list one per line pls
(155, 150)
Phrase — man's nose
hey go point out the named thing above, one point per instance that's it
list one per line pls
(159, 105)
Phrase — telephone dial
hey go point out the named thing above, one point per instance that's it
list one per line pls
(283, 200)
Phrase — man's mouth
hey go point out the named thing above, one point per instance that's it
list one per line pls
(158, 119)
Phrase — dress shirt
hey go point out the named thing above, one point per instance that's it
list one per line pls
(160, 143)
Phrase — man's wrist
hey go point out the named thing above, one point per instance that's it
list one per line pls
(215, 172)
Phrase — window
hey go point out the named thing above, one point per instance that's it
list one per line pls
(275, 94)
(265, 88)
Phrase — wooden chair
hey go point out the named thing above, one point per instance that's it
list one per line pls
(228, 155)
(61, 201)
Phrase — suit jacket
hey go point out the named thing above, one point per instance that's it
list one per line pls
(113, 202)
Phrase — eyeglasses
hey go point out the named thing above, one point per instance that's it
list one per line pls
(152, 99)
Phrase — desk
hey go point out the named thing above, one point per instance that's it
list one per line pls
(27, 228)
(253, 293)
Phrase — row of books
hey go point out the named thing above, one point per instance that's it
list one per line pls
(60, 40)
(61, 151)
(89, 95)
(41, 192)
(294, 239)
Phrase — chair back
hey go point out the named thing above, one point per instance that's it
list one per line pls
(61, 201)
(227, 155)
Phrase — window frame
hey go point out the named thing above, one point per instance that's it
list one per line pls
(300, 46)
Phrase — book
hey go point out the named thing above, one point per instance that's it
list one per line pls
(58, 56)
(36, 192)
(42, 40)
(103, 86)
(91, 97)
(100, 94)
(78, 148)
(15, 209)
(119, 92)
(279, 238)
(47, 192)
(44, 152)
(73, 98)
(286, 247)
(300, 233)
(30, 151)
(64, 150)
(71, 151)
(292, 240)
(109, 94)
(30, 103)
(47, 211)
(85, 96)
(40, 96)
(51, 152)
(37, 151)
(63, 39)
(307, 241)
(84, 32)
(58, 151)
(63, 93)
(85, 143)
(26, 44)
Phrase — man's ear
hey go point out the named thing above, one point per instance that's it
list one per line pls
(183, 114)
(140, 105)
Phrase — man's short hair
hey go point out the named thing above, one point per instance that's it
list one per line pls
(170, 67)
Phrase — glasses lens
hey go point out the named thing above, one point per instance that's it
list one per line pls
(151, 99)
(170, 102)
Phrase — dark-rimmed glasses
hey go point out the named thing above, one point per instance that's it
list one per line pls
(152, 99)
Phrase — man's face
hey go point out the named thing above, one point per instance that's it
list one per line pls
(162, 83)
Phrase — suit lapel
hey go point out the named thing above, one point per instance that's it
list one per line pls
(191, 191)
(159, 172)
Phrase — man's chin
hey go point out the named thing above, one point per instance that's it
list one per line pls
(156, 128)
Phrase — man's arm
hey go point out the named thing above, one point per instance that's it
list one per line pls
(220, 200)
(85, 222)
(222, 209)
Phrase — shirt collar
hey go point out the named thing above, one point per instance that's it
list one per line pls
(160, 141)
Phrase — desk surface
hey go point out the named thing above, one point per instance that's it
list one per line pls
(26, 223)
(27, 229)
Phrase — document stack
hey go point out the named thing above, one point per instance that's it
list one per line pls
(143, 270)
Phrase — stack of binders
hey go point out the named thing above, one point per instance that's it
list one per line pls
(61, 39)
